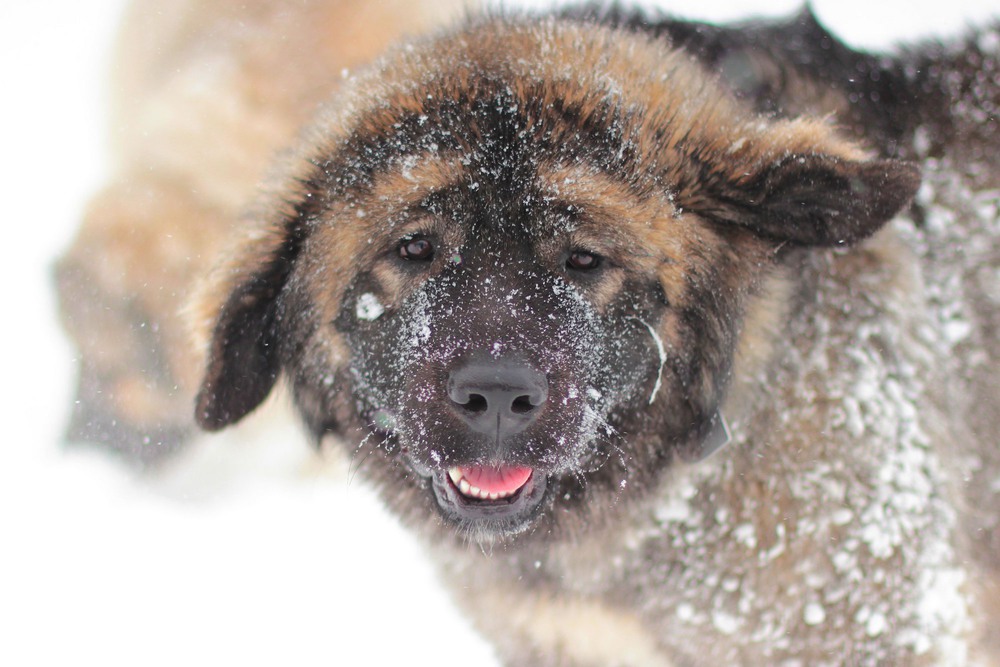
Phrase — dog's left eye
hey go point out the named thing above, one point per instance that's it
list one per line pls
(418, 249)
(581, 260)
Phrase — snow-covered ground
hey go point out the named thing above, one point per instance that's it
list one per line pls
(247, 551)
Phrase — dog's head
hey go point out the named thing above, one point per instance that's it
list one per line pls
(513, 262)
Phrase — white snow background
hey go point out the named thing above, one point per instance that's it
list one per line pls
(246, 551)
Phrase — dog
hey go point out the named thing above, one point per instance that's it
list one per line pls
(676, 343)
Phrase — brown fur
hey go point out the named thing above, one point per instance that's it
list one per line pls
(747, 267)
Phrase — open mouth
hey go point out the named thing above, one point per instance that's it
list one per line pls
(489, 484)
(502, 498)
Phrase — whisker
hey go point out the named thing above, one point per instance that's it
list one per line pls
(354, 469)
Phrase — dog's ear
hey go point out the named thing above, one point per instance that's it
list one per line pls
(242, 304)
(820, 200)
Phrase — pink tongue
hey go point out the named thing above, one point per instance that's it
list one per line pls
(492, 480)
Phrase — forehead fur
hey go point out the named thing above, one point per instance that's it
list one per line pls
(543, 96)
(654, 102)
(644, 118)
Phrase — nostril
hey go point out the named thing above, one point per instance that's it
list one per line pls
(522, 405)
(476, 403)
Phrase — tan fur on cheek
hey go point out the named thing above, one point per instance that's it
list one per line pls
(695, 252)
(607, 289)
(359, 230)
(655, 236)
(643, 233)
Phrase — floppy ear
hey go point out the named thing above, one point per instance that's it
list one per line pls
(820, 200)
(243, 361)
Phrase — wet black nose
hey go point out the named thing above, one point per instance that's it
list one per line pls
(497, 398)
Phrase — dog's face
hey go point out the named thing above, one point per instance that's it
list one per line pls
(498, 332)
(514, 264)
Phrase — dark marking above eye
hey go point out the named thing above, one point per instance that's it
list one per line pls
(581, 260)
(416, 249)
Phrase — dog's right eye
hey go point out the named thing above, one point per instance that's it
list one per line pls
(416, 249)
(581, 260)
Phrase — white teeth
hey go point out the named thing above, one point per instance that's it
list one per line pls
(471, 491)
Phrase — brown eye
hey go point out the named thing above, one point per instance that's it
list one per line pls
(416, 249)
(581, 260)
